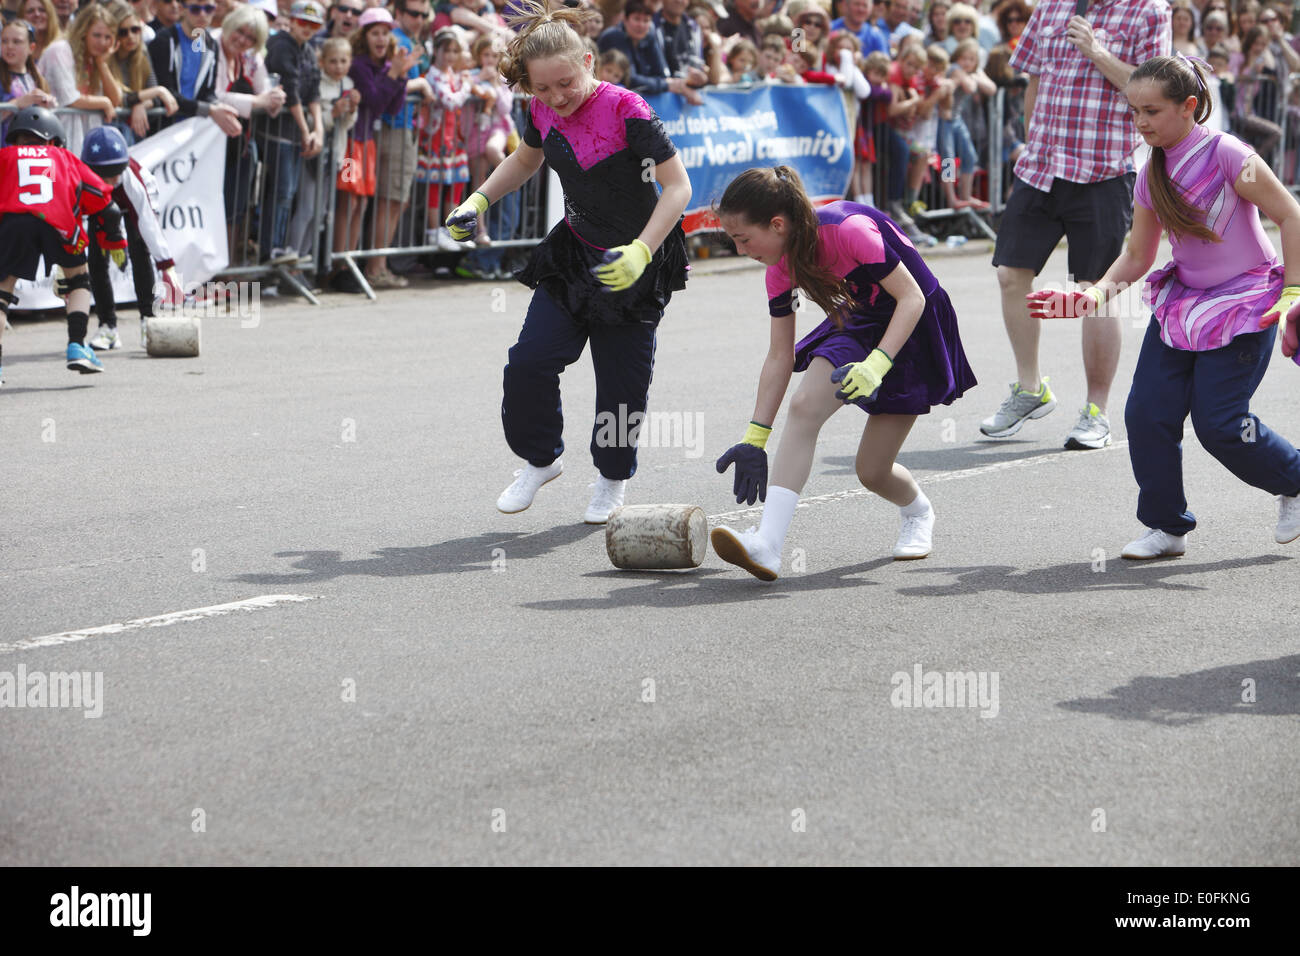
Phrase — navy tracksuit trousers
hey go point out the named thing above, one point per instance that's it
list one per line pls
(550, 341)
(1215, 387)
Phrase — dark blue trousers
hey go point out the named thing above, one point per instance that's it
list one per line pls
(1215, 387)
(550, 341)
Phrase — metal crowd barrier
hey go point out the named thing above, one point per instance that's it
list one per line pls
(520, 221)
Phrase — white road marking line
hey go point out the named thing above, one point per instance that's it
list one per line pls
(923, 480)
(160, 620)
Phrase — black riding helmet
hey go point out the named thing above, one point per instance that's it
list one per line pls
(38, 121)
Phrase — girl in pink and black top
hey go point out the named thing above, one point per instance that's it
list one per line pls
(605, 273)
(1216, 306)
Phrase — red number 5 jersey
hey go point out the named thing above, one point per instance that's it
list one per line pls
(54, 185)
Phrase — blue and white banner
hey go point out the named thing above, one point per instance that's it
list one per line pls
(738, 128)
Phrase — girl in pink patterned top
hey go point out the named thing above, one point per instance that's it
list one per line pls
(1216, 306)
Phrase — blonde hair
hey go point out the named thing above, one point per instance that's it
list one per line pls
(968, 45)
(86, 18)
(543, 33)
(334, 44)
(963, 11)
(52, 29)
(936, 54)
(135, 65)
(247, 16)
(876, 61)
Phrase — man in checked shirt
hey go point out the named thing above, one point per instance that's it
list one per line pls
(1074, 178)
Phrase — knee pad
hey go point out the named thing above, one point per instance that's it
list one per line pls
(66, 284)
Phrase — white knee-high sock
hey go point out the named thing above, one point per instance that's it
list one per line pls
(777, 514)
(919, 506)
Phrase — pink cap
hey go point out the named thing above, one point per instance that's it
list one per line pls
(374, 15)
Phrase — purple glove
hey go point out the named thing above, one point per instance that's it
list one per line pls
(751, 471)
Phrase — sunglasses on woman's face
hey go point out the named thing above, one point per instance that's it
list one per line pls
(130, 31)
(1015, 18)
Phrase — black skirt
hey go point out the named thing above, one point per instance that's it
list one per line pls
(562, 264)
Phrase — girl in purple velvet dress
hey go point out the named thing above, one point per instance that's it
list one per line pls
(889, 345)
(605, 273)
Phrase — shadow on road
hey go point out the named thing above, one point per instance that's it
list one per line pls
(447, 557)
(670, 589)
(52, 388)
(1191, 698)
(1079, 576)
(955, 458)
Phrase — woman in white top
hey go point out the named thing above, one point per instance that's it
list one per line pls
(81, 75)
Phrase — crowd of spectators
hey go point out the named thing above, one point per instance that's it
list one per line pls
(402, 107)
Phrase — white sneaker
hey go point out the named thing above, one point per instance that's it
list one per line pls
(1155, 544)
(914, 539)
(106, 338)
(607, 496)
(528, 479)
(1288, 519)
(747, 550)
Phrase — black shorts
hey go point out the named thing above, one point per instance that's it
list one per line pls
(1093, 217)
(24, 240)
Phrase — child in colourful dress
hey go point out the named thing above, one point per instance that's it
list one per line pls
(1215, 307)
(889, 345)
(487, 128)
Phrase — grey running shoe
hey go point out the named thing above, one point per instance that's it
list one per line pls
(1019, 407)
(1092, 430)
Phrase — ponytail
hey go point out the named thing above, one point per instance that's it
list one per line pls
(1178, 78)
(759, 195)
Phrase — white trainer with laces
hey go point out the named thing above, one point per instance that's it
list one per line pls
(606, 496)
(1155, 544)
(1288, 519)
(106, 338)
(747, 550)
(528, 479)
(915, 537)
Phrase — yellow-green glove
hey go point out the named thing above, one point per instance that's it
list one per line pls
(861, 379)
(463, 221)
(623, 265)
(118, 256)
(1281, 311)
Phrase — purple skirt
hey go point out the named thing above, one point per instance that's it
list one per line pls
(930, 369)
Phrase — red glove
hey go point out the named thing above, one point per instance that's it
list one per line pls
(172, 293)
(1054, 304)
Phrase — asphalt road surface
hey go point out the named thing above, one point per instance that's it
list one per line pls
(374, 666)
